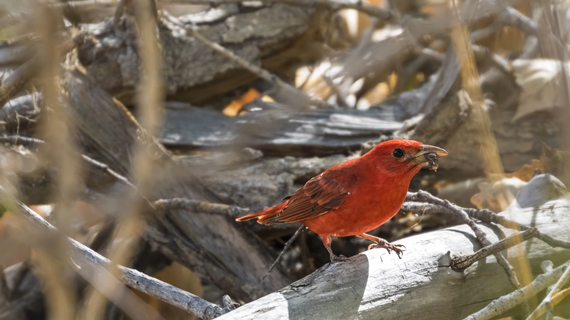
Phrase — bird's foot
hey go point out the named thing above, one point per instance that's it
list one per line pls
(339, 258)
(397, 248)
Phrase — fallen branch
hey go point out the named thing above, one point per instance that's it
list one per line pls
(556, 299)
(17, 80)
(547, 303)
(200, 207)
(461, 263)
(293, 95)
(34, 144)
(510, 17)
(85, 258)
(511, 300)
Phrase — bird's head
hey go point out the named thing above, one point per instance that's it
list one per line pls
(405, 156)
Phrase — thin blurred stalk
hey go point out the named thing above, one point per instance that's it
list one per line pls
(492, 164)
(150, 97)
(470, 79)
(554, 15)
(56, 127)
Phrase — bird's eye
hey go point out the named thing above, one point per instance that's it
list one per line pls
(398, 153)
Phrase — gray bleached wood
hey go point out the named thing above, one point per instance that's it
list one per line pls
(278, 131)
(377, 285)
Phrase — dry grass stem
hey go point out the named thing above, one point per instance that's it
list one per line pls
(150, 97)
(56, 128)
(489, 150)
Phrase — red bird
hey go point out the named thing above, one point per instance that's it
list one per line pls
(356, 196)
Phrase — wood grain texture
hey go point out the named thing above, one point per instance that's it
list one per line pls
(272, 36)
(276, 131)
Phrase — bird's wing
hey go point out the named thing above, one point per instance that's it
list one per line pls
(318, 196)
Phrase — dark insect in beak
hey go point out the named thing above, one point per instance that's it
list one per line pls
(432, 162)
(428, 156)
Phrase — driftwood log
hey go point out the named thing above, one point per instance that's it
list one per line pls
(378, 285)
(276, 131)
(192, 71)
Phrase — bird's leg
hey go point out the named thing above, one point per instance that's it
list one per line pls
(381, 243)
(334, 258)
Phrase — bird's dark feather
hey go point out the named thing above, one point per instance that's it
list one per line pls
(318, 196)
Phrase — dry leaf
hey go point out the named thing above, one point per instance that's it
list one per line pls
(527, 171)
(556, 163)
(511, 183)
(490, 194)
(233, 109)
(538, 79)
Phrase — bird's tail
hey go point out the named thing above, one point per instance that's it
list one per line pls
(264, 216)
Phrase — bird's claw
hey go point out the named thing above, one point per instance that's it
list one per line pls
(339, 258)
(397, 248)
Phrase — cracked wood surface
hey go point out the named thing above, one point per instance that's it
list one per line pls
(276, 37)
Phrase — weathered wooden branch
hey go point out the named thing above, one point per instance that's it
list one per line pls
(276, 131)
(193, 71)
(16, 50)
(89, 260)
(292, 96)
(377, 285)
(547, 303)
(19, 78)
(200, 207)
(511, 300)
(463, 262)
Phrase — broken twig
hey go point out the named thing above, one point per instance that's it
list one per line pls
(483, 215)
(547, 303)
(200, 207)
(511, 300)
(462, 262)
(422, 196)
